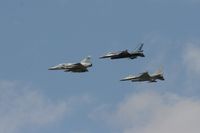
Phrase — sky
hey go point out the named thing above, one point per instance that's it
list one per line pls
(38, 34)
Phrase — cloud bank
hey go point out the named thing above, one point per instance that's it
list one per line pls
(152, 112)
(21, 106)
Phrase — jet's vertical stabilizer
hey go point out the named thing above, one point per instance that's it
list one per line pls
(159, 71)
(140, 47)
(86, 61)
(159, 74)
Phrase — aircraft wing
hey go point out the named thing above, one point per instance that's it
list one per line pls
(113, 54)
(77, 66)
(144, 75)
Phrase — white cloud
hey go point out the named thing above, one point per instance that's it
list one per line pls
(191, 57)
(152, 112)
(23, 106)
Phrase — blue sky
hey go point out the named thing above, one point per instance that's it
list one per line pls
(36, 34)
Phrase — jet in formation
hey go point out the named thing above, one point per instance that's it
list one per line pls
(74, 67)
(145, 76)
(125, 54)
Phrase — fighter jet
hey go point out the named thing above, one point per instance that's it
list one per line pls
(145, 77)
(125, 54)
(74, 67)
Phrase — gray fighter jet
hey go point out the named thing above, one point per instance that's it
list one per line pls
(125, 54)
(145, 77)
(74, 67)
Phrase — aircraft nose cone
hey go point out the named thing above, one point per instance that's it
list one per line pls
(102, 57)
(50, 68)
(124, 79)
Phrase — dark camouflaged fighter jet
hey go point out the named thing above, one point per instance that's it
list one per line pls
(125, 54)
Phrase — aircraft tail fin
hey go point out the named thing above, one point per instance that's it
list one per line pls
(159, 74)
(86, 60)
(159, 71)
(139, 47)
